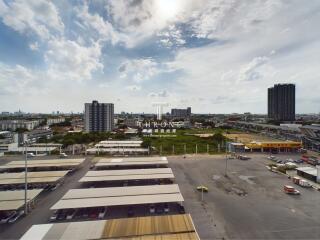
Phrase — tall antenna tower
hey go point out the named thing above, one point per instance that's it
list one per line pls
(159, 106)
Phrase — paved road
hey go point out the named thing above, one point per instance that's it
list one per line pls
(41, 213)
(247, 204)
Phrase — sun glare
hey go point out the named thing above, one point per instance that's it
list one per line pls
(168, 9)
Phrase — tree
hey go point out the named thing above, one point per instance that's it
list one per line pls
(146, 143)
(218, 137)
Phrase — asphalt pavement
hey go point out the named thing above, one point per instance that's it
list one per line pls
(248, 203)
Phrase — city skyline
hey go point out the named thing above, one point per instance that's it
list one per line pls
(215, 56)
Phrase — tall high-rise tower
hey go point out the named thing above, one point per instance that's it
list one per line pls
(282, 102)
(99, 117)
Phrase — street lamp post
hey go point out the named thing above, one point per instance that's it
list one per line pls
(26, 179)
(226, 161)
(201, 192)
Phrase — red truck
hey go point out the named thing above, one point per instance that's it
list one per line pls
(290, 190)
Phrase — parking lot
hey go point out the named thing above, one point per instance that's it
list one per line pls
(41, 213)
(248, 203)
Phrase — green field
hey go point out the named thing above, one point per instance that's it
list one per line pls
(185, 143)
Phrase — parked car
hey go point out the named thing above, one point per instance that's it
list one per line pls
(85, 213)
(16, 216)
(181, 209)
(102, 212)
(166, 208)
(54, 216)
(30, 155)
(130, 212)
(159, 209)
(243, 157)
(93, 213)
(271, 157)
(290, 190)
(298, 161)
(63, 155)
(202, 188)
(4, 218)
(152, 209)
(79, 213)
(70, 214)
(62, 215)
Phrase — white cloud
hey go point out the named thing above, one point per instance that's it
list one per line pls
(96, 23)
(139, 19)
(161, 94)
(134, 88)
(69, 60)
(34, 46)
(38, 16)
(171, 37)
(18, 80)
(139, 70)
(253, 44)
(250, 72)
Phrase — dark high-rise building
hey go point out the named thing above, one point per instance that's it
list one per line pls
(181, 113)
(99, 117)
(282, 102)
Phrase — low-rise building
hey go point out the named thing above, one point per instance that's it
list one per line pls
(118, 147)
(51, 121)
(13, 125)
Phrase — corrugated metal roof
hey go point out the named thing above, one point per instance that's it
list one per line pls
(117, 201)
(99, 164)
(33, 174)
(47, 161)
(43, 163)
(121, 191)
(308, 170)
(175, 236)
(128, 172)
(30, 180)
(127, 177)
(13, 200)
(133, 159)
(144, 228)
(147, 226)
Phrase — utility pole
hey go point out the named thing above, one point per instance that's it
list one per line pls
(172, 149)
(26, 179)
(196, 148)
(208, 148)
(225, 174)
(201, 192)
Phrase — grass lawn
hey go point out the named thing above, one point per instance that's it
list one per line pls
(184, 142)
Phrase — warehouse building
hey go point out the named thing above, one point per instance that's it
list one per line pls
(118, 147)
(276, 146)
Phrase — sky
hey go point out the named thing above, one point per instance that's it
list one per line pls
(217, 56)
